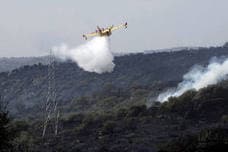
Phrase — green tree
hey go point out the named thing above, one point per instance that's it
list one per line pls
(5, 133)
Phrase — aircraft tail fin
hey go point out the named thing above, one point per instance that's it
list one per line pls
(85, 37)
(125, 25)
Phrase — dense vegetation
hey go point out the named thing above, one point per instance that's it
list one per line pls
(116, 111)
(194, 122)
(8, 64)
(145, 73)
(7, 134)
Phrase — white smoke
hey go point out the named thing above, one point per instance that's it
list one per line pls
(93, 56)
(199, 77)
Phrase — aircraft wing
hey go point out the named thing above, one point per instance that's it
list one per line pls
(90, 35)
(118, 27)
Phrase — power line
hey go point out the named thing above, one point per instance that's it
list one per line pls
(51, 111)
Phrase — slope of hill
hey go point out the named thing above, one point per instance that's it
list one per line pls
(109, 112)
(194, 122)
(148, 74)
(8, 64)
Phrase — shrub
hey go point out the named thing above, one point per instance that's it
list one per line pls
(137, 111)
(108, 127)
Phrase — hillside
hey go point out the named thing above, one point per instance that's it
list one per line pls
(194, 122)
(147, 74)
(8, 64)
(109, 112)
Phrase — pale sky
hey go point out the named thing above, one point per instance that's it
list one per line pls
(32, 27)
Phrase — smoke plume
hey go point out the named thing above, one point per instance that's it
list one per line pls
(93, 56)
(199, 77)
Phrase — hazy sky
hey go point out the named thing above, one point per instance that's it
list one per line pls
(31, 27)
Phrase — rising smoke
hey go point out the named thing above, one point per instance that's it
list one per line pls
(199, 77)
(93, 56)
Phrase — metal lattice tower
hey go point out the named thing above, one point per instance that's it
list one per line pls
(51, 112)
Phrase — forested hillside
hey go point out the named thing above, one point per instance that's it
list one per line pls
(8, 64)
(116, 111)
(26, 87)
(193, 122)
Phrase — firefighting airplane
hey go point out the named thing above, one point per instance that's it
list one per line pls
(104, 31)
